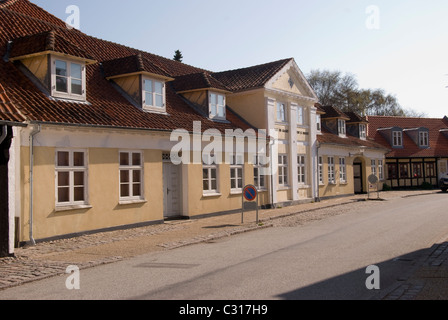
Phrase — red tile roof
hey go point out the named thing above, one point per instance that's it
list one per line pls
(196, 81)
(106, 106)
(45, 41)
(333, 112)
(438, 142)
(132, 64)
(251, 77)
(8, 112)
(328, 137)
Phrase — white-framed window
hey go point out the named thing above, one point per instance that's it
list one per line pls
(342, 170)
(283, 170)
(301, 169)
(153, 94)
(68, 79)
(381, 169)
(236, 174)
(131, 175)
(341, 127)
(282, 112)
(71, 177)
(300, 116)
(319, 122)
(321, 170)
(373, 167)
(259, 177)
(363, 131)
(423, 138)
(331, 171)
(209, 177)
(397, 138)
(217, 105)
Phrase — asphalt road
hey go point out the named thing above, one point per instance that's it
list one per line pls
(326, 259)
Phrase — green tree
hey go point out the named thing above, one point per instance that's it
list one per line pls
(342, 91)
(178, 56)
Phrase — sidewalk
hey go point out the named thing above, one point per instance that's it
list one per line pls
(52, 258)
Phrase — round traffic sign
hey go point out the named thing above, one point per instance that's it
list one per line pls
(250, 193)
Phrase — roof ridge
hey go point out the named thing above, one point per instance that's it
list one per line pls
(6, 3)
(59, 27)
(404, 117)
(255, 66)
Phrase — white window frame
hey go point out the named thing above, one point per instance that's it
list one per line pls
(259, 168)
(342, 170)
(381, 170)
(130, 168)
(301, 169)
(237, 174)
(71, 169)
(319, 123)
(342, 130)
(146, 104)
(213, 103)
(331, 171)
(397, 138)
(363, 131)
(283, 170)
(321, 170)
(282, 112)
(68, 95)
(210, 167)
(373, 167)
(301, 116)
(423, 137)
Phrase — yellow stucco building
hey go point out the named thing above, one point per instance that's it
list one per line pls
(91, 130)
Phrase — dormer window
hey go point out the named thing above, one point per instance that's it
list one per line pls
(217, 106)
(68, 79)
(423, 138)
(341, 127)
(153, 95)
(362, 131)
(397, 138)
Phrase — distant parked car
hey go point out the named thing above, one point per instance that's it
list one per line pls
(444, 182)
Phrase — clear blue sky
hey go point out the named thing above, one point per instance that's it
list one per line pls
(407, 56)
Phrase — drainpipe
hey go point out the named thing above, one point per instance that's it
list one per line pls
(4, 133)
(33, 133)
(317, 171)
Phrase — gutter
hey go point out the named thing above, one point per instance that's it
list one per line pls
(33, 133)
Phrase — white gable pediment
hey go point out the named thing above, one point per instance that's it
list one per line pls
(291, 80)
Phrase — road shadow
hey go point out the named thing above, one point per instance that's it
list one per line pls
(352, 286)
(220, 226)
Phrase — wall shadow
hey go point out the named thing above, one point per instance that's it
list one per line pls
(352, 285)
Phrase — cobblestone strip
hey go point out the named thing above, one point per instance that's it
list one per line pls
(409, 291)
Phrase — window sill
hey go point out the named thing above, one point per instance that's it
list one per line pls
(280, 188)
(210, 195)
(239, 191)
(304, 186)
(126, 202)
(152, 109)
(72, 207)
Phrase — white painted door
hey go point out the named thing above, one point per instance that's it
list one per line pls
(171, 189)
